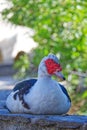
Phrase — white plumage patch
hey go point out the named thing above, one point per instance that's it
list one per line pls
(15, 106)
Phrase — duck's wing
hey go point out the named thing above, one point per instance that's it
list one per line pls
(65, 91)
(22, 88)
(24, 84)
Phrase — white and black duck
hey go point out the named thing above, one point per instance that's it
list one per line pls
(42, 95)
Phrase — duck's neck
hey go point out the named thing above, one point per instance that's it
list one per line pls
(43, 75)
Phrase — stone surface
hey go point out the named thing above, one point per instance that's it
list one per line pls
(4, 94)
(42, 122)
(2, 104)
(4, 111)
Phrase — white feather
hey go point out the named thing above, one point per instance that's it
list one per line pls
(46, 97)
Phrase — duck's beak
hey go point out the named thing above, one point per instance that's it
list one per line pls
(59, 75)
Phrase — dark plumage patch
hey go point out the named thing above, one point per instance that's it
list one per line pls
(65, 91)
(23, 88)
(15, 95)
(29, 83)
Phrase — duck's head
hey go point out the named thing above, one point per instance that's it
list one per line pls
(49, 66)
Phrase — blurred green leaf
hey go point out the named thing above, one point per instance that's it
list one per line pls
(84, 94)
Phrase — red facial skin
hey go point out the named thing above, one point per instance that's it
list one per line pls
(52, 66)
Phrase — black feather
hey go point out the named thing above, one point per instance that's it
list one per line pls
(29, 83)
(65, 91)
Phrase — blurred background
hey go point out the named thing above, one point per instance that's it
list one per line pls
(31, 29)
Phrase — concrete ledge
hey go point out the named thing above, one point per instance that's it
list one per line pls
(42, 122)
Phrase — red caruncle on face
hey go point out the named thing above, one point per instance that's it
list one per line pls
(52, 66)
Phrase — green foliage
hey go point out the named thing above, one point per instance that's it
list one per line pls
(79, 102)
(60, 28)
(85, 94)
(21, 65)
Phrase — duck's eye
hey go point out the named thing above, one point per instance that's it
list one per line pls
(49, 63)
